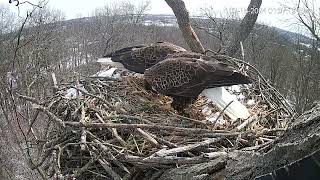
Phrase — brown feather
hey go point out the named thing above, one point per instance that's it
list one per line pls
(139, 58)
(188, 77)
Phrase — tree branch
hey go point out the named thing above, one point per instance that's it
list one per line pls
(179, 9)
(245, 27)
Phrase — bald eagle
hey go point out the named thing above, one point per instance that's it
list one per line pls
(141, 57)
(171, 70)
(184, 79)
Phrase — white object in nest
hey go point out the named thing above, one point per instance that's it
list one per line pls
(110, 68)
(235, 88)
(107, 73)
(206, 111)
(108, 62)
(227, 102)
(73, 93)
(251, 102)
(241, 97)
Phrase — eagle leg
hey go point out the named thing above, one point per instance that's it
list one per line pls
(148, 87)
(180, 103)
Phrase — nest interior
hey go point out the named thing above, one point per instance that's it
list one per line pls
(114, 128)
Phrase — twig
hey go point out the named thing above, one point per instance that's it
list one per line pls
(221, 113)
(247, 122)
(164, 142)
(143, 126)
(163, 153)
(168, 160)
(109, 170)
(106, 150)
(113, 131)
(54, 80)
(190, 119)
(43, 109)
(149, 138)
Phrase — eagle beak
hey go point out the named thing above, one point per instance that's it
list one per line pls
(109, 62)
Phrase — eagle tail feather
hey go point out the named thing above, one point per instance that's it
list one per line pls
(235, 79)
(227, 102)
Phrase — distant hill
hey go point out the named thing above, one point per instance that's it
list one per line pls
(170, 20)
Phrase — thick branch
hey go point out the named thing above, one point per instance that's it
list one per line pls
(179, 9)
(245, 27)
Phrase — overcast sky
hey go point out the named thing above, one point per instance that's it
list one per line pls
(272, 12)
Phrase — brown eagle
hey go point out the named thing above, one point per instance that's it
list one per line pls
(184, 78)
(141, 57)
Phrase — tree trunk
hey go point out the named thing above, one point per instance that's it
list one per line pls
(182, 15)
(245, 28)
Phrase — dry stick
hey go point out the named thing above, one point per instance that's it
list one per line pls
(268, 131)
(247, 122)
(93, 137)
(85, 168)
(32, 122)
(190, 119)
(30, 127)
(136, 144)
(149, 138)
(168, 160)
(213, 155)
(122, 116)
(98, 174)
(163, 153)
(48, 152)
(113, 131)
(51, 115)
(43, 109)
(109, 170)
(79, 107)
(55, 83)
(110, 155)
(83, 140)
(221, 113)
(83, 137)
(56, 165)
(147, 126)
(164, 142)
(30, 99)
(260, 146)
(97, 97)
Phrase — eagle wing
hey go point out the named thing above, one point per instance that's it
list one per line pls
(139, 58)
(188, 77)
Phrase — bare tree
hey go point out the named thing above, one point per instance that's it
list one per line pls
(245, 28)
(306, 80)
(307, 14)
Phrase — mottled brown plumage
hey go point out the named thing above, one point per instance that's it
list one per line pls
(187, 77)
(139, 58)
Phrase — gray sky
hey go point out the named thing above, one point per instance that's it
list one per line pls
(272, 13)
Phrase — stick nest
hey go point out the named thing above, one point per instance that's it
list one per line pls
(115, 129)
